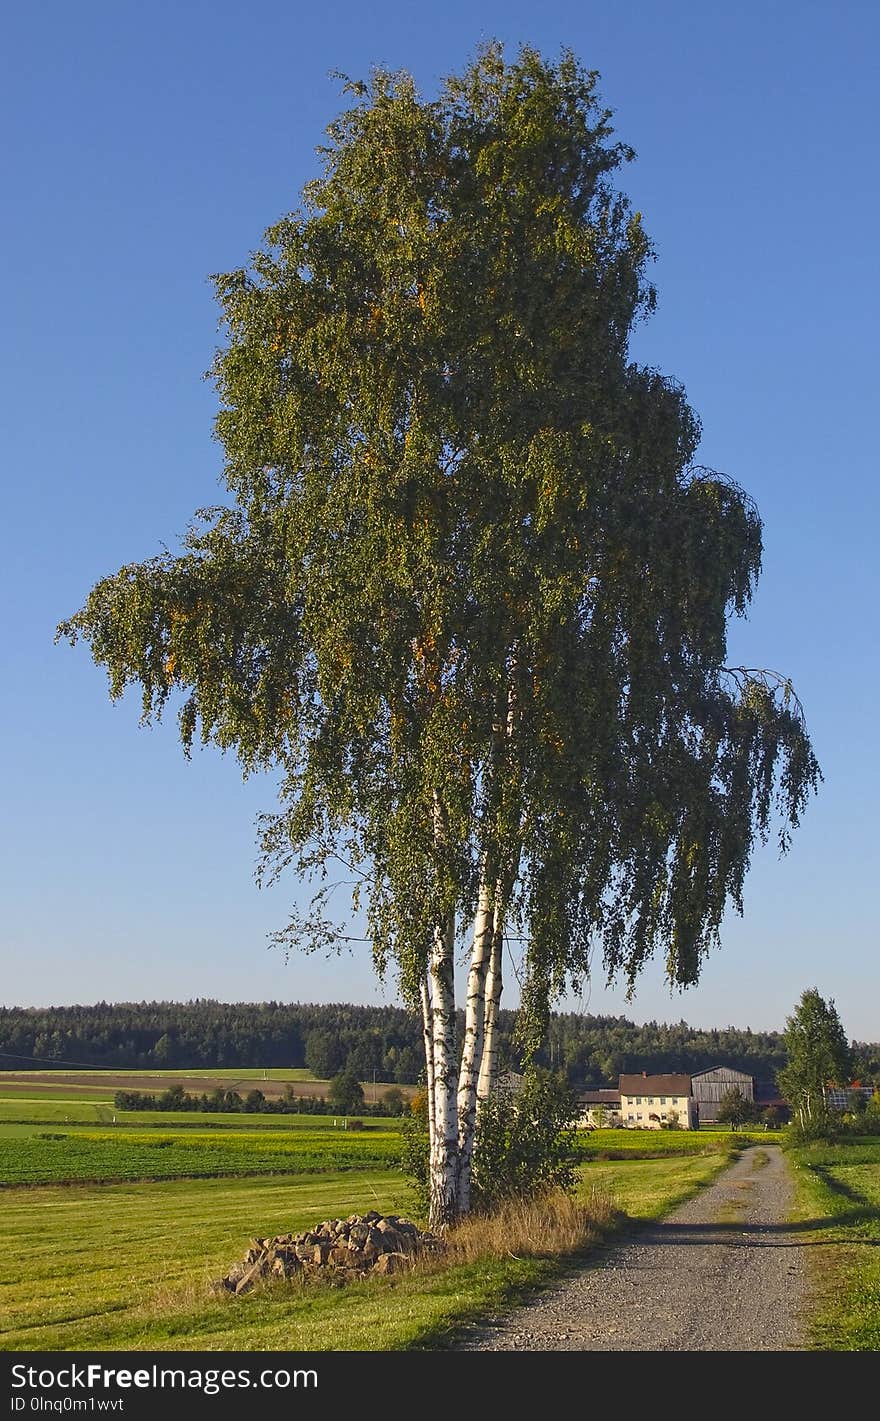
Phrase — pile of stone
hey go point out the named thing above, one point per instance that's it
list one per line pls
(342, 1249)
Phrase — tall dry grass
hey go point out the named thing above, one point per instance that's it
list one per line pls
(547, 1225)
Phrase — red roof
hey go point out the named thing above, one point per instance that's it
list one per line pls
(655, 1085)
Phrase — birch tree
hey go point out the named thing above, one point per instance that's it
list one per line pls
(469, 591)
(818, 1056)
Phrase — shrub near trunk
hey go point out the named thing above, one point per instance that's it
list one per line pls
(525, 1141)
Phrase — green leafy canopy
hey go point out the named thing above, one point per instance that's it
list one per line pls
(818, 1053)
(471, 568)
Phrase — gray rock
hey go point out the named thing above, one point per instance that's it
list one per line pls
(388, 1263)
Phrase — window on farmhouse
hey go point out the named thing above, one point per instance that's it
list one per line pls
(663, 1100)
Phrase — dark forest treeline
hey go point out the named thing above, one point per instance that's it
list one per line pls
(381, 1043)
(206, 1034)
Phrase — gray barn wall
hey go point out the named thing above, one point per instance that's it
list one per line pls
(710, 1086)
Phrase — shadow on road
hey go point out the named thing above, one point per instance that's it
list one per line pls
(728, 1232)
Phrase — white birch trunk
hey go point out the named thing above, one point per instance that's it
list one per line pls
(472, 1050)
(428, 1038)
(444, 1135)
(443, 1128)
(494, 984)
(494, 976)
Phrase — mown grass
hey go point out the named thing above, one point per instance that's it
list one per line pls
(228, 1074)
(649, 1144)
(39, 1111)
(14, 1093)
(101, 1085)
(164, 1147)
(129, 1266)
(91, 1113)
(47, 1157)
(839, 1194)
(644, 1190)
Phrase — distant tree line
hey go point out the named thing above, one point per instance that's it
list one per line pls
(371, 1042)
(375, 1042)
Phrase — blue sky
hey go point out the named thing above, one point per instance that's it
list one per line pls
(150, 145)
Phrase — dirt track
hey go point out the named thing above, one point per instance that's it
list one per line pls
(721, 1273)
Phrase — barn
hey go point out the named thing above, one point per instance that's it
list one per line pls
(709, 1088)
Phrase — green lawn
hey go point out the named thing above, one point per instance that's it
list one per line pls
(37, 1110)
(116, 1247)
(226, 1073)
(128, 1266)
(647, 1189)
(629, 1144)
(839, 1207)
(55, 1156)
(43, 1113)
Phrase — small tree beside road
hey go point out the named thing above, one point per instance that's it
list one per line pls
(772, 1117)
(736, 1109)
(818, 1056)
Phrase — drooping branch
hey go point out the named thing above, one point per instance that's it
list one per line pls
(774, 682)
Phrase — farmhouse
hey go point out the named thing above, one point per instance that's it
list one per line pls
(710, 1088)
(599, 1107)
(648, 1102)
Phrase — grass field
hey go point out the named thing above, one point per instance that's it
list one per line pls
(647, 1144)
(149, 1078)
(102, 1085)
(150, 1145)
(57, 1157)
(647, 1189)
(77, 1113)
(43, 1110)
(839, 1207)
(129, 1266)
(111, 1234)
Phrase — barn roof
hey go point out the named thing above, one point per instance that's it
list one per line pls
(599, 1097)
(729, 1070)
(655, 1085)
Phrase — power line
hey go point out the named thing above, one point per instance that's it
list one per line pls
(59, 1061)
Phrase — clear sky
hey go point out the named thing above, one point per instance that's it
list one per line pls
(147, 146)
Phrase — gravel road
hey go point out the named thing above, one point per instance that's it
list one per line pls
(720, 1273)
